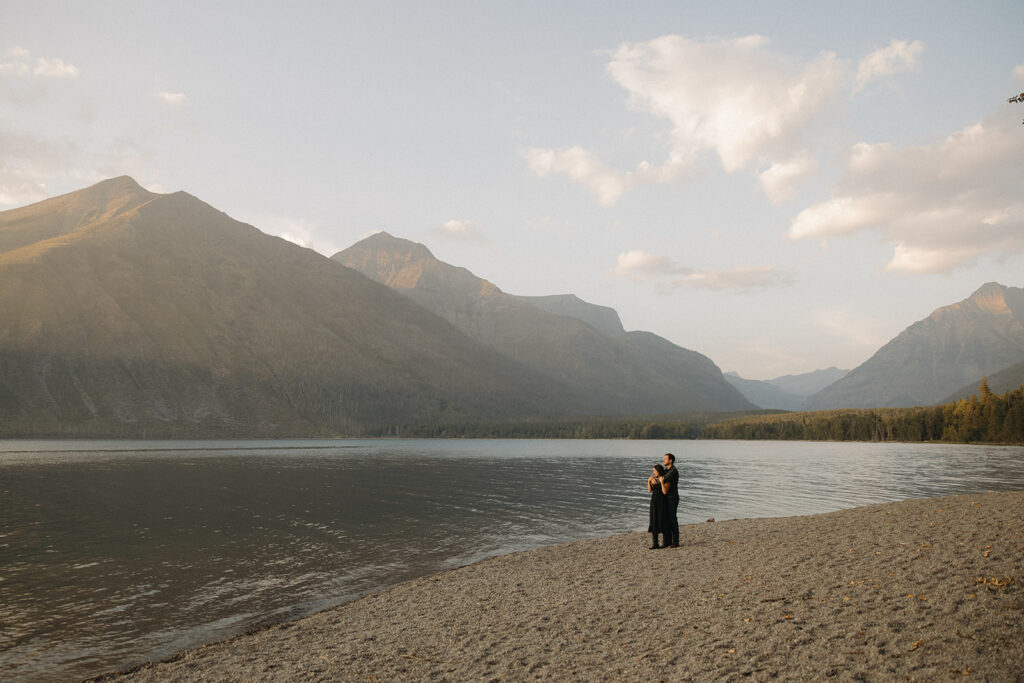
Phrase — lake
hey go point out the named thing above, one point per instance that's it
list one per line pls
(117, 552)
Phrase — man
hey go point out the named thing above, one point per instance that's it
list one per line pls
(671, 477)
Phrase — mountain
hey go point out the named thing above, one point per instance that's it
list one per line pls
(764, 394)
(601, 318)
(576, 343)
(129, 313)
(787, 392)
(953, 347)
(808, 383)
(1000, 382)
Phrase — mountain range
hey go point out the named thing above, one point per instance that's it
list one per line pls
(129, 313)
(788, 392)
(581, 345)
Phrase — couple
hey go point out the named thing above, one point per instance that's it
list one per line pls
(664, 488)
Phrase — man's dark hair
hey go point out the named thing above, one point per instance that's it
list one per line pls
(670, 457)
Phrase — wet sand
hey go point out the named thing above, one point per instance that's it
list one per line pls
(929, 589)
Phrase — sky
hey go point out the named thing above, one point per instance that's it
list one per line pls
(782, 187)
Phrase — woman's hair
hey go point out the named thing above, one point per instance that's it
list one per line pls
(660, 469)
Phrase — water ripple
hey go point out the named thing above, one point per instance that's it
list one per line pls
(118, 552)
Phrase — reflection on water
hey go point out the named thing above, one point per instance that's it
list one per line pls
(112, 553)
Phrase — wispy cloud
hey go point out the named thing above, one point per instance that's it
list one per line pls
(642, 266)
(897, 57)
(465, 231)
(174, 99)
(26, 161)
(781, 180)
(17, 61)
(941, 205)
(54, 68)
(16, 188)
(581, 166)
(297, 230)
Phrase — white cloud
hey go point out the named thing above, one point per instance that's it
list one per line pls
(735, 97)
(27, 161)
(780, 180)
(17, 62)
(50, 67)
(466, 231)
(297, 230)
(175, 99)
(22, 83)
(581, 166)
(14, 68)
(17, 189)
(899, 56)
(642, 266)
(738, 98)
(741, 278)
(941, 205)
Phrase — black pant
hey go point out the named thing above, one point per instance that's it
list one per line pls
(672, 537)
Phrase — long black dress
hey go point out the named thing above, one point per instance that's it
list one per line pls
(659, 514)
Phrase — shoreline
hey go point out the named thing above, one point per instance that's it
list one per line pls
(920, 589)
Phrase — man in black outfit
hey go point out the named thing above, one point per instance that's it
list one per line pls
(671, 477)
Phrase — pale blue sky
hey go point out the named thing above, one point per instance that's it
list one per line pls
(781, 186)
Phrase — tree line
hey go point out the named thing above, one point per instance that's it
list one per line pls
(688, 426)
(983, 418)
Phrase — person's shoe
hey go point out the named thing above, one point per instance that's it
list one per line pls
(655, 547)
(672, 545)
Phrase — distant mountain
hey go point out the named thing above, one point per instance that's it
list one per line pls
(129, 313)
(763, 394)
(562, 337)
(953, 347)
(808, 383)
(787, 392)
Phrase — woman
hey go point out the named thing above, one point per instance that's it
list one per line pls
(659, 507)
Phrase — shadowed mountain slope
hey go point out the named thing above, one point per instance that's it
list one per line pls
(1000, 382)
(562, 337)
(128, 313)
(953, 347)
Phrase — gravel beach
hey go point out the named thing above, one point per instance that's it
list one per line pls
(929, 589)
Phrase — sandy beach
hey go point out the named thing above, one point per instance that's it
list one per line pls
(929, 589)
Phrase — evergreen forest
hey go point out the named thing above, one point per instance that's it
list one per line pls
(985, 417)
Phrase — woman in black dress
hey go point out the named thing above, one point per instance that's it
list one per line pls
(659, 507)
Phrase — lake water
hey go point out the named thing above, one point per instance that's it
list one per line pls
(114, 553)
